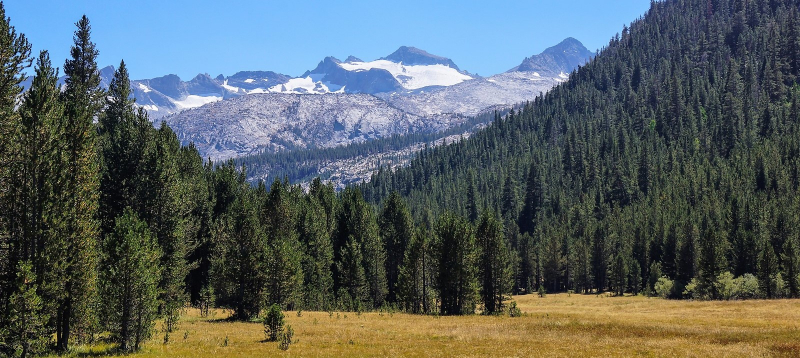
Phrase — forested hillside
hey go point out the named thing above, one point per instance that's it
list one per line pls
(673, 154)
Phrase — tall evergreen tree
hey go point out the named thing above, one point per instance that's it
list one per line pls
(284, 261)
(495, 271)
(414, 282)
(78, 185)
(318, 256)
(40, 111)
(534, 200)
(397, 231)
(456, 256)
(239, 269)
(353, 291)
(356, 221)
(15, 57)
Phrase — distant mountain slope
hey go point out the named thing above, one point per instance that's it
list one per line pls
(561, 58)
(275, 121)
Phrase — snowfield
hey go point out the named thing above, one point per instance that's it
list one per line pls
(412, 77)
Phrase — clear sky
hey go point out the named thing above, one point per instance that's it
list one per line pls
(160, 37)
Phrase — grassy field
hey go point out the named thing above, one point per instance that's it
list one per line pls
(557, 325)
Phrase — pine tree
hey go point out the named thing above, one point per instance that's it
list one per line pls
(768, 270)
(712, 259)
(619, 274)
(353, 290)
(26, 332)
(686, 267)
(238, 269)
(121, 150)
(356, 221)
(397, 230)
(791, 264)
(15, 57)
(318, 256)
(78, 185)
(284, 260)
(129, 281)
(39, 112)
(455, 257)
(599, 259)
(495, 271)
(414, 282)
(534, 200)
(509, 205)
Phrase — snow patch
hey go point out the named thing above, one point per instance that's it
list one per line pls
(150, 107)
(249, 80)
(413, 77)
(304, 85)
(194, 101)
(144, 88)
(230, 88)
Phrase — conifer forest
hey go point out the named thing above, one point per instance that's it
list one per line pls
(668, 166)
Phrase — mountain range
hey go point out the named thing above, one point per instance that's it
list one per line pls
(408, 91)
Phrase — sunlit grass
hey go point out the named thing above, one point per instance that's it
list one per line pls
(557, 325)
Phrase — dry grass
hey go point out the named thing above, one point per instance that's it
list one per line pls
(557, 325)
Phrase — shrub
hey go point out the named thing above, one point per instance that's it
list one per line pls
(663, 287)
(273, 323)
(513, 310)
(542, 291)
(727, 286)
(748, 286)
(286, 338)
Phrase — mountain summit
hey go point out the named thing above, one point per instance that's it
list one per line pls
(564, 57)
(412, 56)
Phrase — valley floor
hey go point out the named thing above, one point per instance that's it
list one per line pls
(556, 325)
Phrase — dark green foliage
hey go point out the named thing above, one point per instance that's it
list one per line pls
(129, 281)
(415, 279)
(791, 264)
(26, 334)
(768, 271)
(280, 217)
(353, 293)
(318, 255)
(665, 148)
(78, 184)
(239, 269)
(397, 231)
(494, 265)
(273, 323)
(358, 229)
(33, 177)
(456, 258)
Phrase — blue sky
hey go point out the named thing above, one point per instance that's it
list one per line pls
(156, 38)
